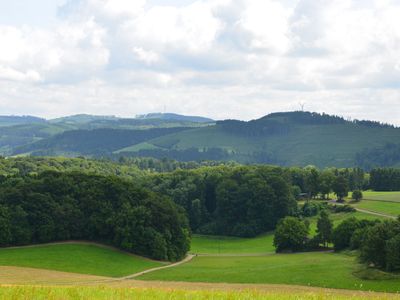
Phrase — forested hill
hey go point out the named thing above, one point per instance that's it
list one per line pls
(287, 138)
(291, 138)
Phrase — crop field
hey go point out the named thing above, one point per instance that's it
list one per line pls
(67, 293)
(76, 258)
(310, 269)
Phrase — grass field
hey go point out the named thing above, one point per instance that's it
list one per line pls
(203, 244)
(76, 258)
(67, 293)
(382, 196)
(388, 208)
(310, 269)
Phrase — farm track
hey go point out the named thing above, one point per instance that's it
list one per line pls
(370, 212)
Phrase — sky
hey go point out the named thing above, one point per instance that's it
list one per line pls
(237, 59)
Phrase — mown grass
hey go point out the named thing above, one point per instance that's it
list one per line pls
(310, 269)
(67, 293)
(388, 208)
(203, 244)
(76, 258)
(382, 196)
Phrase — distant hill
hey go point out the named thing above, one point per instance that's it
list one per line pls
(21, 131)
(176, 117)
(287, 138)
(95, 142)
(17, 120)
(81, 119)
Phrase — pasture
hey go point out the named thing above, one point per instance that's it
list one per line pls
(309, 269)
(76, 258)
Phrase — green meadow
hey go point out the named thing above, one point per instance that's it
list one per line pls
(76, 258)
(309, 269)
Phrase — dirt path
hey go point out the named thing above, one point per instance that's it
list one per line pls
(365, 210)
(185, 260)
(375, 213)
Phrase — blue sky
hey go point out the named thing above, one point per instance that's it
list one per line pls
(218, 58)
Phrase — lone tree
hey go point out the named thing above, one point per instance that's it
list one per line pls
(340, 188)
(357, 195)
(290, 235)
(324, 228)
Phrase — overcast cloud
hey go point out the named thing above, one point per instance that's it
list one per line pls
(218, 58)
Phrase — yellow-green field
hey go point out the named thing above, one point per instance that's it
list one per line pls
(98, 293)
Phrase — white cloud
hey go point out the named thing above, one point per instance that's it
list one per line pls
(223, 58)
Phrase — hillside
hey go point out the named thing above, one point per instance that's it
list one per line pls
(289, 138)
(92, 142)
(175, 117)
(16, 132)
(293, 138)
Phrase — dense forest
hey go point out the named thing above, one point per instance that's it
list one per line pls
(162, 201)
(61, 206)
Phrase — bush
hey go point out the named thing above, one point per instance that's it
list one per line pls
(312, 208)
(343, 232)
(290, 235)
(342, 208)
(357, 195)
(381, 246)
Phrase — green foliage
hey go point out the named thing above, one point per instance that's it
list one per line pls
(60, 206)
(324, 228)
(343, 232)
(340, 187)
(239, 201)
(381, 246)
(357, 195)
(290, 235)
(387, 179)
(312, 208)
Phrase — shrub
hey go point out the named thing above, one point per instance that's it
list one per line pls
(290, 235)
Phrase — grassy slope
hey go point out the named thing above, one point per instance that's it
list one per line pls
(76, 258)
(324, 145)
(315, 269)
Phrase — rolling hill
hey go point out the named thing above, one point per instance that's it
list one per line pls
(292, 138)
(288, 138)
(16, 132)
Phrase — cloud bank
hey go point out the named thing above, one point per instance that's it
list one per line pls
(219, 58)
